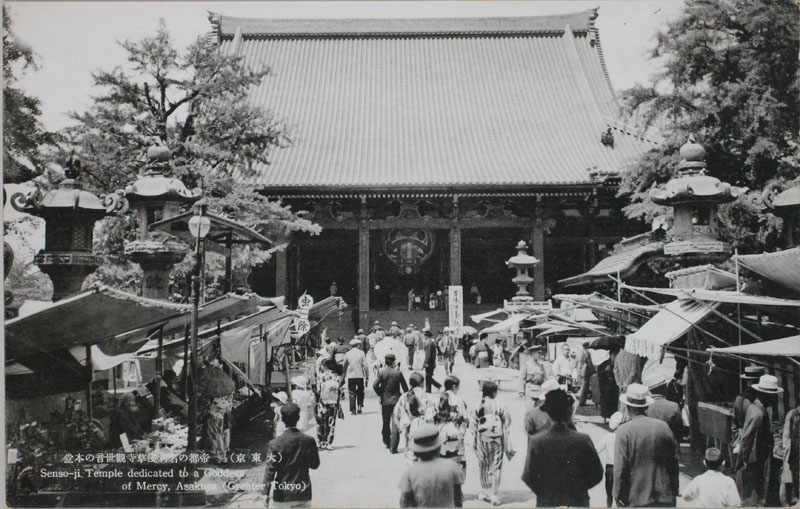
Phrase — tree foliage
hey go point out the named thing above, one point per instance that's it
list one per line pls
(195, 103)
(731, 79)
(23, 133)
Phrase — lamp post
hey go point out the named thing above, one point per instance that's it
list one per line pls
(199, 226)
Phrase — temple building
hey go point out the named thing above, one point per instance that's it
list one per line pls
(428, 148)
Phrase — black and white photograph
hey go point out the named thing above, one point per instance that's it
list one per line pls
(379, 254)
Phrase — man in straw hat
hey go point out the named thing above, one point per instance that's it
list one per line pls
(746, 397)
(389, 385)
(756, 443)
(664, 409)
(356, 371)
(531, 372)
(432, 481)
(562, 464)
(645, 462)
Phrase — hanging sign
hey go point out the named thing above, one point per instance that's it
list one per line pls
(456, 306)
(305, 302)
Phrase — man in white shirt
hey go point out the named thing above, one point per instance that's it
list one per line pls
(356, 372)
(712, 488)
(563, 365)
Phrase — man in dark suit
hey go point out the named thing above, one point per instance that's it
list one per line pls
(389, 385)
(430, 360)
(562, 464)
(289, 457)
(645, 464)
(664, 409)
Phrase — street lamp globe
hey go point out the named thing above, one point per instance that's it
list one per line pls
(199, 226)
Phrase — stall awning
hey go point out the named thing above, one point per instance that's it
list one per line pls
(323, 308)
(623, 263)
(508, 324)
(486, 316)
(666, 326)
(782, 267)
(85, 319)
(784, 347)
(730, 297)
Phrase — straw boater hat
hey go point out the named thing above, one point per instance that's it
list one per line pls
(427, 438)
(753, 372)
(394, 323)
(355, 342)
(767, 384)
(549, 385)
(360, 331)
(300, 381)
(281, 396)
(637, 395)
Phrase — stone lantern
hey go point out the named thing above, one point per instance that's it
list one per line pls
(787, 206)
(155, 196)
(695, 198)
(69, 213)
(523, 262)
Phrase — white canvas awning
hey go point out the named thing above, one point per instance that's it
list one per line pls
(510, 323)
(784, 347)
(666, 326)
(730, 297)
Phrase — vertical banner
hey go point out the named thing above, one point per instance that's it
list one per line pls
(456, 303)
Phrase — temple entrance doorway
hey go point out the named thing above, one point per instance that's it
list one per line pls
(391, 281)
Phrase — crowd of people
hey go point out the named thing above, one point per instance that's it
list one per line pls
(638, 455)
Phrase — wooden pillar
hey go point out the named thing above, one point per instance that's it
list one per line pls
(363, 267)
(455, 246)
(537, 240)
(455, 255)
(90, 375)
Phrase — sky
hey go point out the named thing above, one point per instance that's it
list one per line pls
(73, 39)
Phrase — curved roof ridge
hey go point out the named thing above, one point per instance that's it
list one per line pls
(225, 26)
(596, 31)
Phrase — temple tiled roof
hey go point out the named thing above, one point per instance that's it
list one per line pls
(398, 103)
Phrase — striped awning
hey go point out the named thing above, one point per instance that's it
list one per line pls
(666, 326)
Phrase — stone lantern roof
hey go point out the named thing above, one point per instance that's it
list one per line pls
(69, 195)
(788, 199)
(154, 184)
(692, 184)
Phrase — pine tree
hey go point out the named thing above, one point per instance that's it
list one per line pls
(194, 103)
(731, 79)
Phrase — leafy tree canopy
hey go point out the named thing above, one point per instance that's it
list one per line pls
(23, 133)
(194, 103)
(731, 79)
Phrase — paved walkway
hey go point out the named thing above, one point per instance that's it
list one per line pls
(360, 472)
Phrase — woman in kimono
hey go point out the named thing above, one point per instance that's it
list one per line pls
(304, 398)
(452, 419)
(329, 391)
(411, 410)
(490, 424)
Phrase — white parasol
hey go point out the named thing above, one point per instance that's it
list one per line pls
(390, 345)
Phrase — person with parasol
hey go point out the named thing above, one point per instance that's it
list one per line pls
(216, 389)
